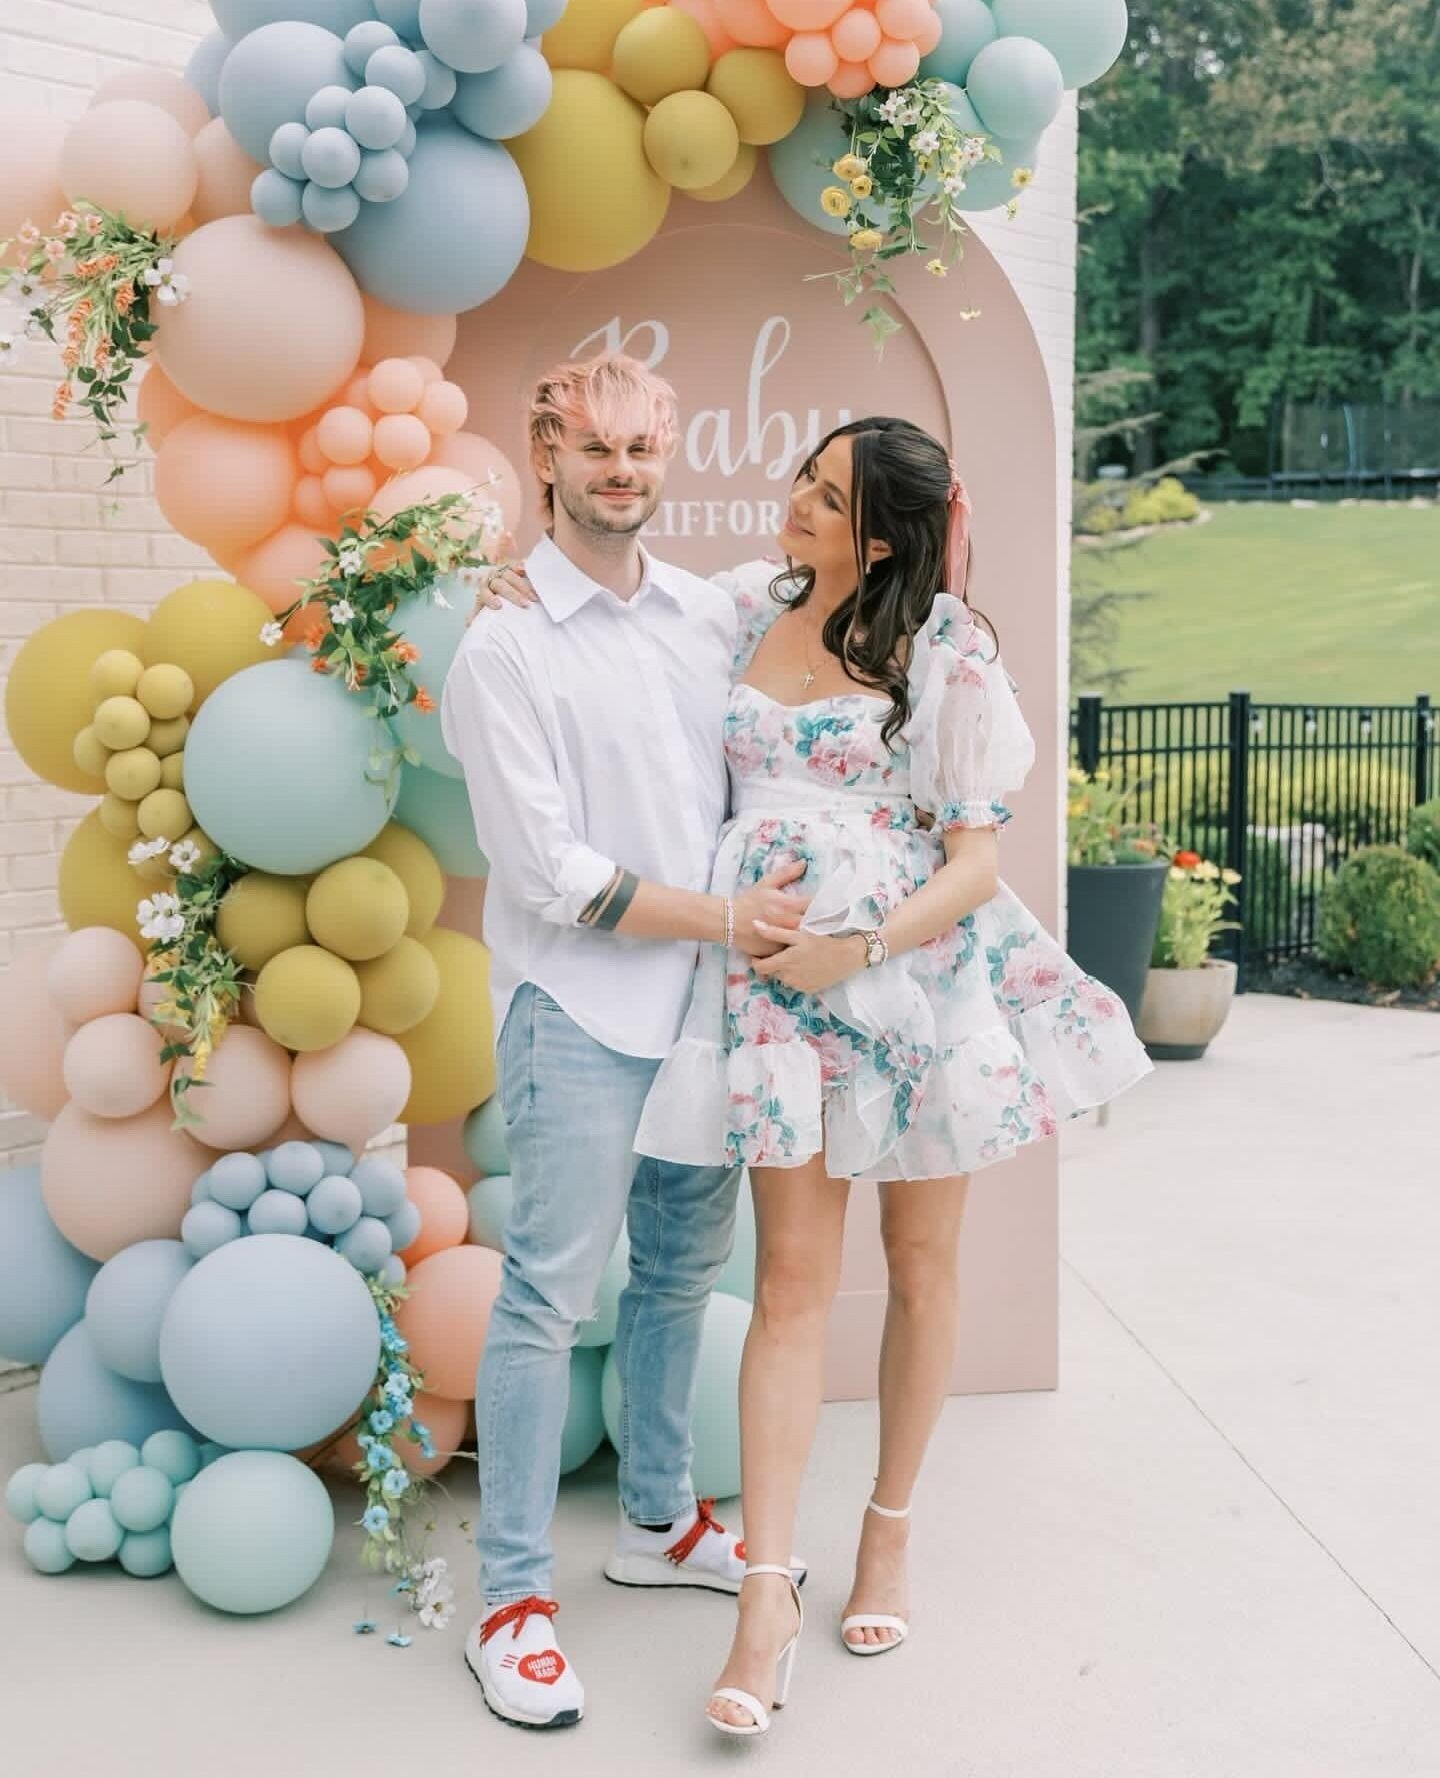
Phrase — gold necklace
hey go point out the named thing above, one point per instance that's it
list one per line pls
(809, 678)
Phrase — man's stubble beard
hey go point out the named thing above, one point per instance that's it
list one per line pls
(593, 519)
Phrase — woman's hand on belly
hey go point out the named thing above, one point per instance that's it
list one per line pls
(810, 962)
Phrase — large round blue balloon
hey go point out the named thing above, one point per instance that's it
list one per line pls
(253, 1531)
(82, 1402)
(43, 1279)
(483, 1137)
(509, 99)
(453, 237)
(472, 36)
(737, 1276)
(991, 184)
(800, 163)
(438, 809)
(402, 16)
(490, 1200)
(271, 75)
(1016, 86)
(599, 1330)
(275, 769)
(270, 1343)
(584, 1431)
(1084, 39)
(239, 17)
(437, 631)
(966, 26)
(203, 68)
(127, 1303)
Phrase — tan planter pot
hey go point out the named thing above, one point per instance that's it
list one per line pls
(1183, 1009)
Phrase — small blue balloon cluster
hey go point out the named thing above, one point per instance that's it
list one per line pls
(111, 1502)
(317, 1189)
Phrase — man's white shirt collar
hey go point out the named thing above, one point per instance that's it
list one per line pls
(563, 588)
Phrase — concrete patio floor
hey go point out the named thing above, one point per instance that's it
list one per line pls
(1214, 1551)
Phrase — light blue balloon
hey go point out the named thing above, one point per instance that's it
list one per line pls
(208, 1226)
(236, 1180)
(406, 144)
(800, 163)
(331, 158)
(393, 1271)
(269, 1343)
(276, 199)
(966, 26)
(253, 1532)
(383, 176)
(277, 1213)
(287, 146)
(381, 1184)
(245, 786)
(398, 70)
(363, 40)
(300, 1166)
(989, 185)
(20, 1501)
(473, 35)
(325, 110)
(438, 810)
(174, 1454)
(509, 99)
(81, 1401)
(127, 1303)
(210, 1452)
(600, 1329)
(333, 1206)
(1016, 86)
(269, 77)
(404, 1225)
(439, 82)
(489, 1201)
(456, 236)
(483, 1137)
(541, 15)
(146, 1554)
(334, 1156)
(108, 1462)
(200, 1191)
(92, 1533)
(737, 1275)
(375, 117)
(62, 1489)
(237, 17)
(46, 1548)
(367, 1246)
(328, 209)
(437, 631)
(43, 1279)
(203, 69)
(584, 1431)
(402, 16)
(1084, 39)
(141, 1499)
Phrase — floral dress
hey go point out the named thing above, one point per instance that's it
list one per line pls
(943, 1059)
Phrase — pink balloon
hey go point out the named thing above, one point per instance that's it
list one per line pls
(360, 1084)
(226, 175)
(273, 567)
(109, 1182)
(33, 1034)
(430, 371)
(851, 80)
(395, 333)
(446, 1316)
(751, 22)
(345, 435)
(402, 441)
(810, 57)
(95, 971)
(856, 36)
(707, 16)
(443, 408)
(311, 504)
(160, 406)
(444, 1212)
(485, 465)
(347, 490)
(30, 189)
(903, 20)
(157, 86)
(128, 155)
(246, 1097)
(225, 484)
(894, 63)
(273, 323)
(928, 36)
(808, 15)
(396, 386)
(113, 1066)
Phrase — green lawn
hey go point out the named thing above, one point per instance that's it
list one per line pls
(1327, 604)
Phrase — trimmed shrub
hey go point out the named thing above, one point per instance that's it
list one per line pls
(1167, 503)
(1422, 832)
(1380, 918)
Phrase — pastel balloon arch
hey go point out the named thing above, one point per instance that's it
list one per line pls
(226, 1293)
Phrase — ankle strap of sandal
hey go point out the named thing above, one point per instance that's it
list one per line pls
(887, 1512)
(769, 1568)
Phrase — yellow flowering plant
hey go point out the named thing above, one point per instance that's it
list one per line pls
(1192, 911)
(1099, 828)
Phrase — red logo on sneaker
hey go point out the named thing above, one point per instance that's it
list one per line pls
(544, 1668)
(740, 1550)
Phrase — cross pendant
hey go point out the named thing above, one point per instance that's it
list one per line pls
(807, 681)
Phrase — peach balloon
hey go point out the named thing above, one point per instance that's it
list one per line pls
(95, 971)
(33, 1034)
(273, 567)
(345, 435)
(356, 392)
(894, 63)
(928, 36)
(160, 407)
(446, 1316)
(226, 175)
(427, 483)
(246, 1095)
(312, 459)
(851, 80)
(402, 441)
(751, 22)
(903, 20)
(810, 58)
(856, 36)
(444, 1420)
(109, 1182)
(272, 325)
(394, 333)
(430, 371)
(154, 995)
(358, 1085)
(348, 489)
(225, 484)
(808, 15)
(311, 506)
(480, 461)
(128, 155)
(308, 628)
(444, 1212)
(706, 15)
(113, 1067)
(443, 408)
(157, 86)
(30, 191)
(396, 386)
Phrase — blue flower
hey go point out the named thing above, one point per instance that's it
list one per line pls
(418, 1431)
(379, 1458)
(393, 1340)
(395, 1484)
(382, 1421)
(364, 1440)
(376, 1519)
(427, 1450)
(398, 1641)
(365, 1627)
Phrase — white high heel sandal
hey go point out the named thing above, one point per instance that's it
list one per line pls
(784, 1667)
(873, 1620)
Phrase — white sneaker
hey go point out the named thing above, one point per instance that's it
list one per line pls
(696, 1551)
(524, 1676)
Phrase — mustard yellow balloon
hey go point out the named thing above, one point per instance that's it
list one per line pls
(90, 753)
(157, 872)
(121, 723)
(164, 812)
(133, 774)
(168, 737)
(756, 88)
(115, 674)
(594, 198)
(261, 916)
(211, 628)
(172, 770)
(307, 998)
(734, 181)
(398, 989)
(357, 908)
(661, 51)
(97, 886)
(118, 817)
(585, 35)
(203, 844)
(166, 691)
(452, 1049)
(48, 698)
(691, 140)
(417, 868)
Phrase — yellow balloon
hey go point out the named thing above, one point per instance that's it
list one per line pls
(116, 674)
(133, 774)
(119, 817)
(48, 697)
(756, 88)
(594, 198)
(121, 723)
(211, 628)
(661, 51)
(417, 868)
(307, 998)
(167, 737)
(357, 908)
(172, 771)
(166, 691)
(398, 989)
(584, 36)
(90, 753)
(97, 885)
(452, 1049)
(164, 812)
(691, 140)
(734, 181)
(261, 916)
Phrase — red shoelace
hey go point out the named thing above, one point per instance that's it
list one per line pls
(516, 1614)
(704, 1521)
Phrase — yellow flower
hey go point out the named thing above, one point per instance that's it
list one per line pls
(937, 267)
(849, 166)
(862, 185)
(835, 202)
(1022, 176)
(1229, 876)
(866, 240)
(923, 162)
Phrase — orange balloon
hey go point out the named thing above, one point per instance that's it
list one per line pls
(356, 392)
(109, 1182)
(160, 406)
(246, 1097)
(855, 36)
(427, 483)
(479, 460)
(851, 80)
(396, 386)
(132, 158)
(445, 1421)
(347, 490)
(226, 175)
(894, 63)
(402, 441)
(33, 1035)
(346, 435)
(751, 22)
(446, 1316)
(311, 506)
(395, 333)
(225, 484)
(444, 1213)
(272, 568)
(927, 38)
(706, 14)
(443, 407)
(810, 58)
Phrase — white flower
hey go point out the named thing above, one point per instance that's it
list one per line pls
(438, 1616)
(160, 918)
(489, 518)
(352, 559)
(972, 150)
(438, 598)
(924, 142)
(341, 611)
(184, 857)
(173, 291)
(954, 185)
(271, 633)
(144, 850)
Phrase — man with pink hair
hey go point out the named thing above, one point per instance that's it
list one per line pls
(589, 728)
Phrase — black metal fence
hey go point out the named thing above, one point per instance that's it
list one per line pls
(1281, 793)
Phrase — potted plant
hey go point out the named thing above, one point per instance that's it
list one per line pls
(1187, 991)
(1115, 877)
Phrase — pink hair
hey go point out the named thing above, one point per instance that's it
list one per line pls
(600, 395)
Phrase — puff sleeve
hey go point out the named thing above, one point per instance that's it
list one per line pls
(755, 607)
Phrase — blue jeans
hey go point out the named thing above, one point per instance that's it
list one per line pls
(571, 1111)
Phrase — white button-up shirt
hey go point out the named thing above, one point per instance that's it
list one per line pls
(589, 728)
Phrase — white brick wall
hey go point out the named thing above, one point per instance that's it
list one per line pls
(65, 543)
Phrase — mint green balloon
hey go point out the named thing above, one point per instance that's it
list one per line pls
(141, 1499)
(20, 1501)
(438, 810)
(585, 1416)
(146, 1553)
(109, 1461)
(737, 1276)
(800, 163)
(1016, 86)
(489, 1201)
(437, 631)
(174, 1454)
(252, 1532)
(46, 1548)
(991, 183)
(483, 1137)
(93, 1533)
(966, 26)
(600, 1329)
(1084, 36)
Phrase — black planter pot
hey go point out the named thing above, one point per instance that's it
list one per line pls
(1114, 910)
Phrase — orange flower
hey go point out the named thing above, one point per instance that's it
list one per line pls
(124, 299)
(70, 357)
(319, 664)
(1186, 860)
(61, 402)
(424, 703)
(405, 652)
